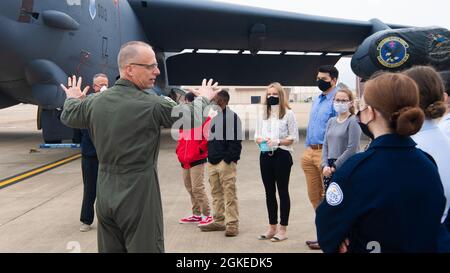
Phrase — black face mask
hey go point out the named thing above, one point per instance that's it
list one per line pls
(365, 128)
(323, 85)
(273, 101)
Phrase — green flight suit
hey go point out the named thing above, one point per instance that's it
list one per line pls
(125, 124)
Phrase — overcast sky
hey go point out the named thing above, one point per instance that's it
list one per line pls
(415, 13)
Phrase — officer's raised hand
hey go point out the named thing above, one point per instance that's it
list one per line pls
(73, 89)
(207, 90)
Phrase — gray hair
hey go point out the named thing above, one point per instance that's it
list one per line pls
(99, 75)
(129, 52)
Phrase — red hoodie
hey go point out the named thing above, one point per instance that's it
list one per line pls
(192, 148)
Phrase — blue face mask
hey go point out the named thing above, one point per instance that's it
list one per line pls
(340, 107)
(264, 147)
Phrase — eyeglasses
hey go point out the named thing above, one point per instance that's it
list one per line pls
(341, 101)
(147, 66)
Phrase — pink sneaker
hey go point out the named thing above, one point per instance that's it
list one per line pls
(206, 221)
(191, 219)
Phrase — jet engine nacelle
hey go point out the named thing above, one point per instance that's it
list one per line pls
(395, 50)
(44, 77)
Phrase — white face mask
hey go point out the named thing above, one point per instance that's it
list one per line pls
(341, 107)
(103, 88)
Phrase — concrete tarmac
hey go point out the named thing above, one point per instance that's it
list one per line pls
(41, 214)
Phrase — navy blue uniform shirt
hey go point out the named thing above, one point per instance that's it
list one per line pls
(387, 199)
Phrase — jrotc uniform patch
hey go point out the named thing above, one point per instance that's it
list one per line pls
(334, 194)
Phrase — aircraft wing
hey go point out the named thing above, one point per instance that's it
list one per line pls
(175, 25)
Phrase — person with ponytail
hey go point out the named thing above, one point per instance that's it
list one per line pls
(444, 123)
(431, 138)
(275, 134)
(390, 197)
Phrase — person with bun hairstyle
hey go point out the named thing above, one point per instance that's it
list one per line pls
(390, 197)
(444, 123)
(431, 138)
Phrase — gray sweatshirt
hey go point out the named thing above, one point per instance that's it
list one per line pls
(341, 140)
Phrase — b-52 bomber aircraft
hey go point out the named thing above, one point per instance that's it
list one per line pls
(44, 41)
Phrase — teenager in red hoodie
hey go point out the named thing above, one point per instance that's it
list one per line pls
(192, 152)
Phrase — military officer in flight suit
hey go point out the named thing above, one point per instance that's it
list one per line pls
(124, 124)
(389, 198)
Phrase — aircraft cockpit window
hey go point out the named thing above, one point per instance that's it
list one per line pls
(26, 12)
(27, 7)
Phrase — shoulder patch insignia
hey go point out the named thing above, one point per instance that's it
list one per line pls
(171, 101)
(334, 194)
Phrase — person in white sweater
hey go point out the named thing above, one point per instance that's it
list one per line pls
(430, 138)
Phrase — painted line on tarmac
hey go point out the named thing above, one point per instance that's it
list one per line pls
(33, 172)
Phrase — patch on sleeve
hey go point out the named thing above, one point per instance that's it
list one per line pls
(334, 194)
(171, 101)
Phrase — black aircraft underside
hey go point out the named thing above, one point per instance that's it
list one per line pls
(44, 41)
(246, 70)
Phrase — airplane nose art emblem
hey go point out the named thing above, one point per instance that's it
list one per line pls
(92, 9)
(393, 52)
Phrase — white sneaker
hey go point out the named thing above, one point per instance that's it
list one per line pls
(85, 228)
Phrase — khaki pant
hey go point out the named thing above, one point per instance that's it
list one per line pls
(194, 182)
(222, 178)
(311, 165)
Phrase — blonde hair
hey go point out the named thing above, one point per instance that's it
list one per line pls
(283, 100)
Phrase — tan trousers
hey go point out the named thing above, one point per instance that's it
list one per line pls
(311, 165)
(194, 182)
(222, 178)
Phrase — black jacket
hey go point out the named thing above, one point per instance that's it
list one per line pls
(225, 137)
(387, 199)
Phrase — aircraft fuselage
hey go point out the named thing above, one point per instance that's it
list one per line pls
(80, 37)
